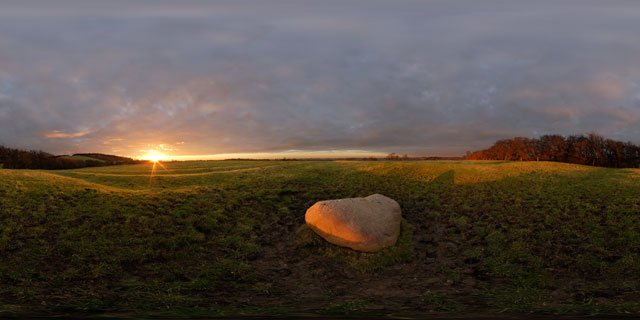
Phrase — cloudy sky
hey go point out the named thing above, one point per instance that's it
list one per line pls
(204, 78)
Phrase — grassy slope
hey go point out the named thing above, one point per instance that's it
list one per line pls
(81, 158)
(536, 236)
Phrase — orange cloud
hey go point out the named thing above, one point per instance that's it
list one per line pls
(60, 134)
(560, 111)
(605, 87)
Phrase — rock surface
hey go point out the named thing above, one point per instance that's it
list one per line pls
(365, 224)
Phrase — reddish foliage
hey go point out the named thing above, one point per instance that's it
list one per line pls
(589, 150)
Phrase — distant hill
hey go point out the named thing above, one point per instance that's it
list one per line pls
(108, 158)
(12, 158)
(391, 156)
(436, 158)
(79, 158)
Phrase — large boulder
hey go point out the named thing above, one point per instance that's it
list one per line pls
(365, 224)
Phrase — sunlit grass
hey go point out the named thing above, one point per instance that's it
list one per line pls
(131, 237)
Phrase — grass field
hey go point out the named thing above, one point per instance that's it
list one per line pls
(222, 237)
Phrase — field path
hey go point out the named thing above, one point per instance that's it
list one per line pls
(170, 174)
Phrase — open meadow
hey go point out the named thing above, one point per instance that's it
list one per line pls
(226, 237)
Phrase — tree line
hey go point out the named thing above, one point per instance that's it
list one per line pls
(11, 158)
(591, 149)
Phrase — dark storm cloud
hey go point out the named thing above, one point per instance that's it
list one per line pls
(421, 77)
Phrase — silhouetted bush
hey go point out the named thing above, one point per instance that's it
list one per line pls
(392, 156)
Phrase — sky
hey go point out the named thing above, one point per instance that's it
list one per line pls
(219, 79)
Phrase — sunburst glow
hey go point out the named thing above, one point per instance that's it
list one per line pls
(154, 156)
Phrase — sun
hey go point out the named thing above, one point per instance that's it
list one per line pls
(154, 156)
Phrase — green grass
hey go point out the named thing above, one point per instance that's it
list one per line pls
(187, 237)
(440, 302)
(402, 251)
(355, 307)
